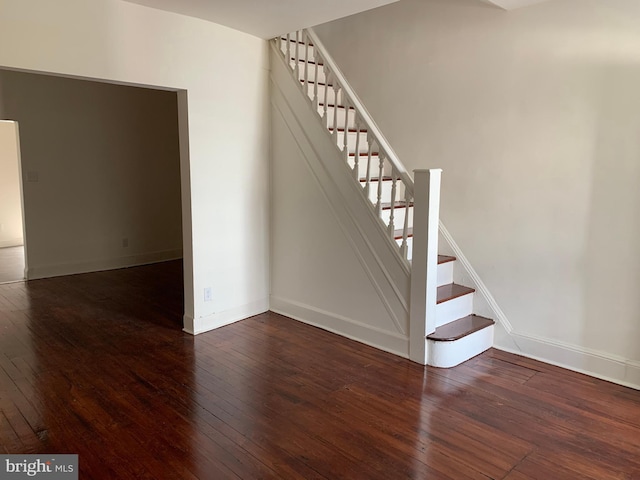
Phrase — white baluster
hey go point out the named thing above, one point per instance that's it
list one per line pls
(297, 64)
(315, 83)
(327, 76)
(345, 147)
(367, 177)
(404, 247)
(346, 121)
(335, 111)
(306, 63)
(380, 177)
(394, 184)
(356, 167)
(288, 48)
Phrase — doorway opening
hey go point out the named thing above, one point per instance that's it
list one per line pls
(12, 250)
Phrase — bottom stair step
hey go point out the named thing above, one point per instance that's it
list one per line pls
(460, 340)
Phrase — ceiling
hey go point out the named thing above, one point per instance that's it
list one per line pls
(265, 18)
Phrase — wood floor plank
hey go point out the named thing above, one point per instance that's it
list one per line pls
(97, 365)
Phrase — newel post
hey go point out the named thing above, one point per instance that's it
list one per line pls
(424, 263)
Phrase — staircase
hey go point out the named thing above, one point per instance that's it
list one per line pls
(443, 330)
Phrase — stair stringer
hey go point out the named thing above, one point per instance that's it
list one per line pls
(377, 252)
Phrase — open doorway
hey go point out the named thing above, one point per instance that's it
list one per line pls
(105, 175)
(12, 254)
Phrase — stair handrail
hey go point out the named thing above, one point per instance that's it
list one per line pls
(362, 111)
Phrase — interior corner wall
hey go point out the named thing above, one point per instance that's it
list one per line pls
(102, 182)
(533, 115)
(10, 200)
(224, 73)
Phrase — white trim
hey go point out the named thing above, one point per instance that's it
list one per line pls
(391, 342)
(590, 362)
(221, 319)
(46, 271)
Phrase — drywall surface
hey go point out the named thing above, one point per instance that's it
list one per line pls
(316, 276)
(533, 115)
(224, 72)
(102, 172)
(10, 202)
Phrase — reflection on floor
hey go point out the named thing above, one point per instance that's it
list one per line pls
(11, 264)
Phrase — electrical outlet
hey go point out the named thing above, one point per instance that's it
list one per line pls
(208, 294)
(125, 242)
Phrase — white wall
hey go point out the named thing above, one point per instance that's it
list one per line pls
(534, 117)
(10, 202)
(224, 72)
(108, 165)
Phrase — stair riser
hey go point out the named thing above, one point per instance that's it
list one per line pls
(454, 309)
(445, 273)
(311, 72)
(352, 137)
(398, 217)
(341, 123)
(374, 169)
(386, 191)
(331, 94)
(450, 354)
(301, 51)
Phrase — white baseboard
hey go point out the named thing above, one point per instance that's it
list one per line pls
(12, 242)
(46, 271)
(205, 324)
(388, 341)
(573, 357)
(578, 359)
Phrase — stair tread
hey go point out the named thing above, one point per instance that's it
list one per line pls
(398, 204)
(445, 259)
(293, 40)
(319, 83)
(329, 105)
(451, 291)
(351, 130)
(308, 61)
(375, 179)
(364, 154)
(460, 328)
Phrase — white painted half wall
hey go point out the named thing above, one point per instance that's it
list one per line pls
(10, 201)
(223, 75)
(533, 115)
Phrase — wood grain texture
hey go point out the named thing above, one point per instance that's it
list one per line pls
(11, 264)
(460, 328)
(97, 365)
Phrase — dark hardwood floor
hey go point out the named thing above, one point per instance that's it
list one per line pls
(11, 264)
(97, 365)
